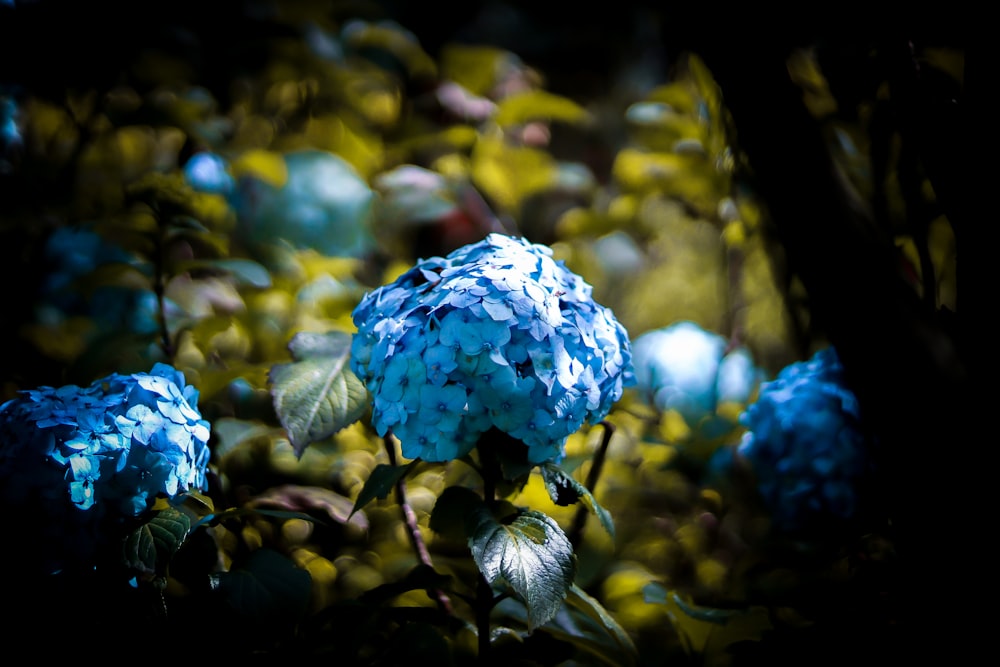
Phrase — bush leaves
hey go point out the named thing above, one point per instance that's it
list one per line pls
(317, 395)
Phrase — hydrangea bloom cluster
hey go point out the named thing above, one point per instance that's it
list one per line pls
(209, 172)
(80, 456)
(497, 334)
(320, 203)
(805, 444)
(685, 368)
(72, 253)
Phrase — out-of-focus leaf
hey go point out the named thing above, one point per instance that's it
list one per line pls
(204, 241)
(454, 511)
(531, 554)
(187, 222)
(393, 39)
(268, 166)
(708, 631)
(564, 490)
(317, 395)
(474, 66)
(421, 577)
(117, 274)
(532, 105)
(230, 433)
(245, 271)
(297, 498)
(193, 504)
(509, 174)
(625, 652)
(382, 480)
(268, 587)
(204, 297)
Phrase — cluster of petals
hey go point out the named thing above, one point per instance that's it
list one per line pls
(116, 445)
(806, 445)
(497, 334)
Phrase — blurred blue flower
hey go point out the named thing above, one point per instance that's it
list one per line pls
(685, 368)
(71, 254)
(497, 334)
(10, 133)
(805, 444)
(323, 204)
(209, 172)
(84, 456)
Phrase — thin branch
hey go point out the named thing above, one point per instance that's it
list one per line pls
(413, 527)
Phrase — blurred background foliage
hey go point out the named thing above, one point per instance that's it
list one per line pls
(352, 138)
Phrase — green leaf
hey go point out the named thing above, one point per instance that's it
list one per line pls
(268, 587)
(532, 105)
(455, 512)
(706, 630)
(564, 489)
(230, 433)
(531, 554)
(246, 272)
(304, 499)
(595, 611)
(317, 395)
(380, 482)
(150, 547)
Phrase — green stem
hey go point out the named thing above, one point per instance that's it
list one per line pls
(484, 607)
(490, 471)
(160, 282)
(580, 518)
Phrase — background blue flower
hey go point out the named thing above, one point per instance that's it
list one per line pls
(71, 254)
(79, 458)
(323, 204)
(497, 334)
(686, 368)
(209, 172)
(805, 444)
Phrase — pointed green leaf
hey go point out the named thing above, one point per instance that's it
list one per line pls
(564, 489)
(139, 551)
(596, 612)
(707, 630)
(150, 547)
(455, 512)
(380, 482)
(317, 394)
(531, 554)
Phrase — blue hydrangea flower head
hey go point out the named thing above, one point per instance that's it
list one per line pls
(321, 203)
(805, 444)
(686, 368)
(208, 172)
(82, 457)
(497, 334)
(72, 253)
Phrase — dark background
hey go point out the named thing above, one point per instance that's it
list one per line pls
(923, 375)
